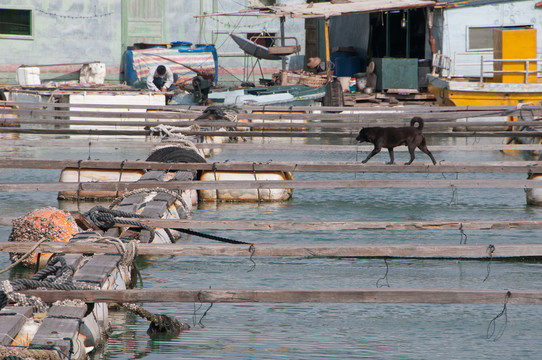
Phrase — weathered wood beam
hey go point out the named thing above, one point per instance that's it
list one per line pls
(256, 146)
(361, 295)
(262, 133)
(463, 251)
(289, 166)
(341, 225)
(269, 123)
(328, 225)
(274, 184)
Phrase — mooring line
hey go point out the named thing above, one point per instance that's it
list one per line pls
(463, 235)
(490, 250)
(251, 248)
(385, 277)
(491, 334)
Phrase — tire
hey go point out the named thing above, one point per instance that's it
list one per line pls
(173, 154)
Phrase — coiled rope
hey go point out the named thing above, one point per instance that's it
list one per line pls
(12, 353)
(107, 218)
(175, 194)
(53, 276)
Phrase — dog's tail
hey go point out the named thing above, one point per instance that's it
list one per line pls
(417, 119)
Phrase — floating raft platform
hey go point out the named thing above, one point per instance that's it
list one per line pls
(66, 330)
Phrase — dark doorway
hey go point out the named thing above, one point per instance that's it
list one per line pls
(399, 34)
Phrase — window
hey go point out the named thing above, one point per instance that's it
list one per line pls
(15, 23)
(481, 38)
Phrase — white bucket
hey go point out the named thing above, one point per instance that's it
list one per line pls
(28, 76)
(361, 83)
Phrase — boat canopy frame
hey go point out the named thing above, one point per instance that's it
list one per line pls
(444, 64)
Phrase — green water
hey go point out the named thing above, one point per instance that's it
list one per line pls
(328, 330)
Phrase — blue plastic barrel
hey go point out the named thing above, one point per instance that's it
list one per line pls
(346, 63)
(130, 75)
(181, 45)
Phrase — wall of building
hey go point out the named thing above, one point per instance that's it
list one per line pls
(75, 31)
(64, 32)
(456, 21)
(234, 65)
(351, 31)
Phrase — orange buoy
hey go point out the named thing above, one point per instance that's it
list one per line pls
(48, 224)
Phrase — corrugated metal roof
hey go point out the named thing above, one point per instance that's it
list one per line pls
(467, 3)
(341, 7)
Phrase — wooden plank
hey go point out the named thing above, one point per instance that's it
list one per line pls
(411, 109)
(270, 121)
(263, 133)
(254, 146)
(341, 225)
(358, 295)
(59, 328)
(12, 319)
(387, 110)
(276, 184)
(325, 225)
(97, 268)
(419, 166)
(463, 251)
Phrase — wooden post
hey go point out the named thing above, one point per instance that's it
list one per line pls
(328, 57)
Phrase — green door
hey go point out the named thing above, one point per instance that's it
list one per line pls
(142, 21)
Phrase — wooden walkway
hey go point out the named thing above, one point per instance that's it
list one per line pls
(315, 122)
(327, 123)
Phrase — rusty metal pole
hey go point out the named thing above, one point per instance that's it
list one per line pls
(282, 40)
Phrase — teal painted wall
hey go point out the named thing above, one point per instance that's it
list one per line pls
(76, 31)
(64, 32)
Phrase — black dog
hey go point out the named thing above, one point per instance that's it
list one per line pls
(390, 137)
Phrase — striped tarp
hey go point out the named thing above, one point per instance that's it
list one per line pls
(146, 59)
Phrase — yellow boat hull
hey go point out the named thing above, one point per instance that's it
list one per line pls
(447, 97)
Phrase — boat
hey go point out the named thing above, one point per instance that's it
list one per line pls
(507, 76)
(286, 95)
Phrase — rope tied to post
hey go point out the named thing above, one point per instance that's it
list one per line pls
(107, 218)
(491, 328)
(490, 250)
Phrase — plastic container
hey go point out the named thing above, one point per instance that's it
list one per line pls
(346, 63)
(93, 73)
(181, 45)
(345, 83)
(361, 83)
(28, 76)
(352, 85)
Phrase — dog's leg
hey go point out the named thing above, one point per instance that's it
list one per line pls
(390, 151)
(375, 151)
(423, 147)
(411, 150)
